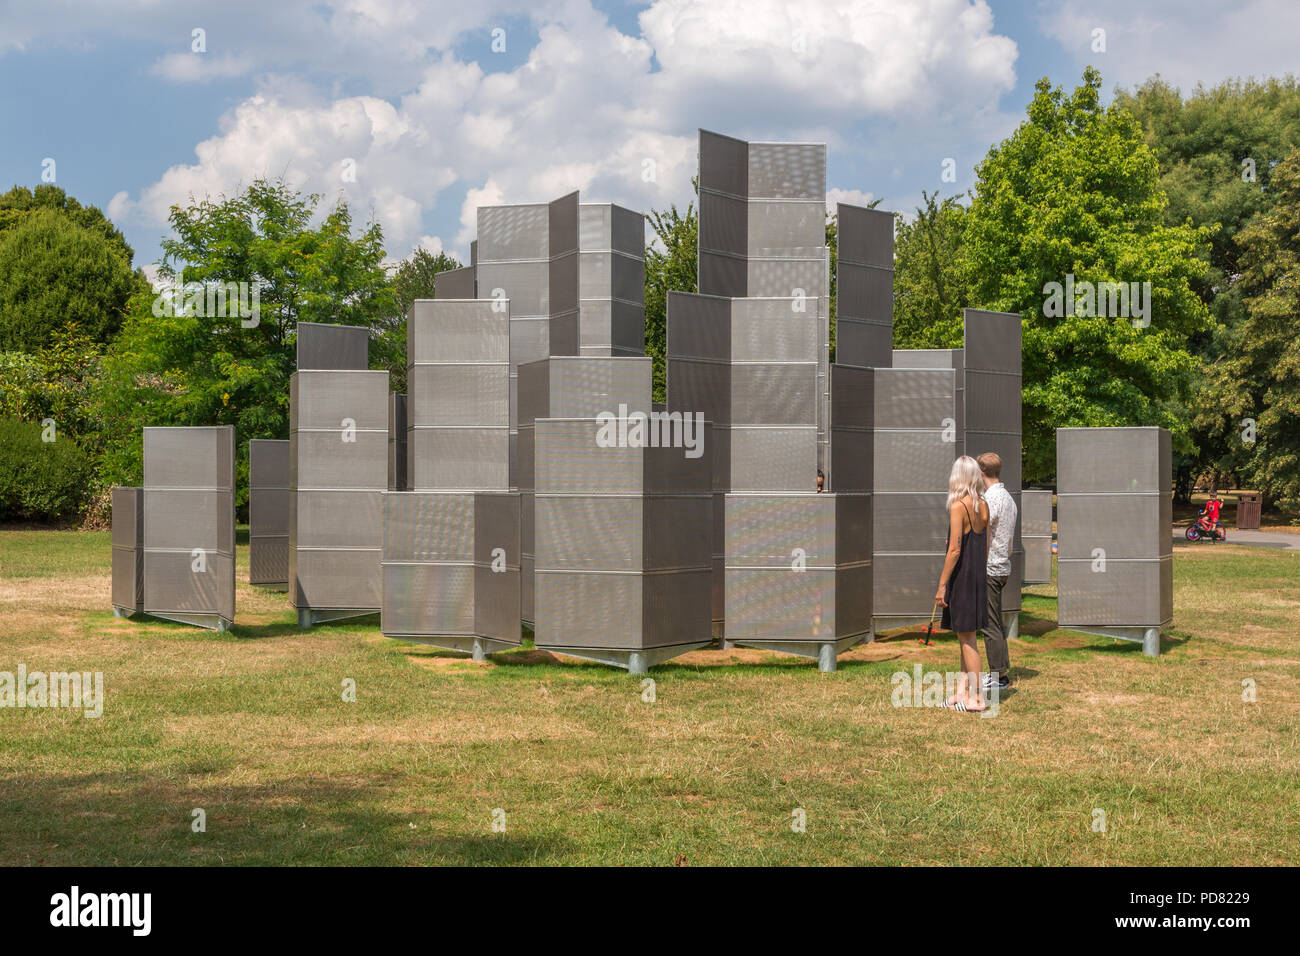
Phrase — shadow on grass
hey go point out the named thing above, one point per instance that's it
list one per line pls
(104, 819)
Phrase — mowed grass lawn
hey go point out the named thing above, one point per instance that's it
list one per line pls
(251, 727)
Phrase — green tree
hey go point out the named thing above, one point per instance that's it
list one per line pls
(670, 266)
(1217, 150)
(20, 202)
(54, 273)
(1075, 192)
(1257, 378)
(930, 285)
(185, 366)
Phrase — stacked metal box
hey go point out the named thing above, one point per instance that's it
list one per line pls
(397, 469)
(189, 525)
(915, 444)
(1036, 534)
(1114, 512)
(268, 513)
(612, 280)
(750, 366)
(763, 234)
(528, 255)
(992, 374)
(567, 387)
(799, 563)
(864, 286)
(128, 551)
(622, 538)
(941, 358)
(451, 542)
(338, 473)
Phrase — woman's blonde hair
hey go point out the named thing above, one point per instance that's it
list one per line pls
(965, 479)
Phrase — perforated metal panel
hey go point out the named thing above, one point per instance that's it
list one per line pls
(942, 358)
(451, 565)
(397, 426)
(992, 362)
(864, 274)
(189, 521)
(268, 512)
(611, 280)
(621, 534)
(458, 406)
(339, 465)
(1114, 570)
(455, 283)
(915, 445)
(128, 549)
(1036, 534)
(336, 347)
(852, 430)
(786, 555)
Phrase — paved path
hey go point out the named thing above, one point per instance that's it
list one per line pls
(1254, 539)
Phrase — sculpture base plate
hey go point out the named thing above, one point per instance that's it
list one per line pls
(477, 647)
(824, 652)
(634, 662)
(309, 616)
(1148, 637)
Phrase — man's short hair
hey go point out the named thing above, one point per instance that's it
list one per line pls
(991, 464)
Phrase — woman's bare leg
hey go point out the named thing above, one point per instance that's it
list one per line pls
(970, 671)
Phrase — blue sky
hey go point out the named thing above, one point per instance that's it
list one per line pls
(435, 121)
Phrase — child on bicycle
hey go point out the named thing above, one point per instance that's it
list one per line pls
(1209, 516)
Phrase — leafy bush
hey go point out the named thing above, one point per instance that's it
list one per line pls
(40, 480)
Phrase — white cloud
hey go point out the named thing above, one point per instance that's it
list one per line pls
(201, 67)
(1185, 41)
(607, 113)
(853, 197)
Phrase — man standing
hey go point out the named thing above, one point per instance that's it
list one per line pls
(1002, 531)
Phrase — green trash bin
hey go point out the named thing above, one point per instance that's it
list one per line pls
(1248, 505)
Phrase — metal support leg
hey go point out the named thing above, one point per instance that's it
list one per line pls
(1011, 624)
(1151, 642)
(118, 612)
(304, 617)
(826, 658)
(636, 664)
(478, 652)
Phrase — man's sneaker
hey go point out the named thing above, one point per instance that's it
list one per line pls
(1000, 681)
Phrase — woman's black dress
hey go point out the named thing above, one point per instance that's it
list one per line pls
(967, 593)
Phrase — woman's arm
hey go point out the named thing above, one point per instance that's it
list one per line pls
(954, 550)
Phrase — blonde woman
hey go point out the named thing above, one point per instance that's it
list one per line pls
(963, 591)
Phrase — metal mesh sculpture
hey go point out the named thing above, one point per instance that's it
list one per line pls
(1036, 534)
(268, 513)
(942, 358)
(527, 255)
(567, 387)
(189, 525)
(338, 426)
(128, 551)
(864, 286)
(622, 570)
(915, 443)
(451, 542)
(1114, 512)
(611, 242)
(752, 352)
(397, 468)
(992, 376)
